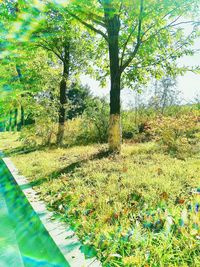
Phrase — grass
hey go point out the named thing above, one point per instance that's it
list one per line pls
(137, 209)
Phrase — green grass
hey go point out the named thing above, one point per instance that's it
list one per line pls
(136, 209)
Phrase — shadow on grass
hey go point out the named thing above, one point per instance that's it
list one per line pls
(66, 170)
(19, 150)
(26, 150)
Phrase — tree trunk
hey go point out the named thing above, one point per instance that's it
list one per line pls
(22, 117)
(114, 134)
(21, 124)
(7, 122)
(63, 92)
(15, 119)
(61, 126)
(10, 121)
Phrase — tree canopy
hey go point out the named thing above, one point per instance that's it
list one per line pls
(131, 42)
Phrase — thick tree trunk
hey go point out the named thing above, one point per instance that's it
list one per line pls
(61, 126)
(63, 93)
(114, 135)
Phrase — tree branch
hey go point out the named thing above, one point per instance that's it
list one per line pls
(167, 57)
(95, 18)
(125, 45)
(49, 48)
(185, 22)
(168, 26)
(90, 26)
(165, 16)
(122, 68)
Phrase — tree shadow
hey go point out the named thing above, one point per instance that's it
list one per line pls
(20, 150)
(67, 170)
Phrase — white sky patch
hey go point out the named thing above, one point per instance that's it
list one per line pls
(63, 3)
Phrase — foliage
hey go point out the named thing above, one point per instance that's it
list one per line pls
(78, 98)
(85, 129)
(151, 36)
(79, 130)
(129, 129)
(99, 120)
(177, 135)
(43, 108)
(41, 134)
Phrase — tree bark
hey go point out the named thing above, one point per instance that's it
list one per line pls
(15, 119)
(10, 121)
(114, 134)
(63, 94)
(22, 121)
(61, 119)
(22, 117)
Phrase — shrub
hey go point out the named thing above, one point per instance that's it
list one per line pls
(27, 136)
(96, 122)
(177, 135)
(73, 131)
(90, 127)
(43, 132)
(129, 129)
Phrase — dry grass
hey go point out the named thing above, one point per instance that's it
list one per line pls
(130, 208)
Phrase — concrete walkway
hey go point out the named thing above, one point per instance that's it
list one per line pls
(32, 238)
(9, 250)
(24, 240)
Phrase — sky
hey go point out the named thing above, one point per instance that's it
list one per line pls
(188, 84)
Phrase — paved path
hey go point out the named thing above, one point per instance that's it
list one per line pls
(24, 241)
(9, 250)
(28, 236)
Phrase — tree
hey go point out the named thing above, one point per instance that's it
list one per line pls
(144, 39)
(60, 36)
(165, 94)
(26, 69)
(11, 60)
(59, 44)
(78, 98)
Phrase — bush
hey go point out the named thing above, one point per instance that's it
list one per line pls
(27, 136)
(177, 135)
(96, 122)
(73, 131)
(90, 127)
(43, 132)
(129, 129)
(135, 127)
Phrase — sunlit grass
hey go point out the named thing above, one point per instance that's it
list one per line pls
(136, 209)
(9, 141)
